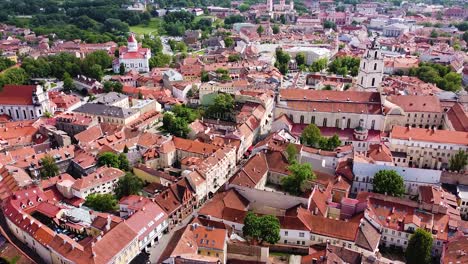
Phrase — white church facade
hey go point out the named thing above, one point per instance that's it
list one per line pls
(133, 57)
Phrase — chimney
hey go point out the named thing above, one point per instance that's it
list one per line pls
(108, 225)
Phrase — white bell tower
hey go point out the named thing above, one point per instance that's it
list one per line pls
(132, 43)
(371, 69)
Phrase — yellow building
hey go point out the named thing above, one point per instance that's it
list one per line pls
(150, 175)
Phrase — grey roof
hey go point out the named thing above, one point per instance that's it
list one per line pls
(110, 98)
(105, 110)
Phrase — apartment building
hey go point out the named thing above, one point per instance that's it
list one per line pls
(102, 181)
(427, 148)
(421, 111)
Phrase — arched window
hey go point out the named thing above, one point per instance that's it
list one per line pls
(362, 80)
(372, 125)
(348, 125)
(373, 81)
(364, 66)
(302, 119)
(375, 56)
(324, 122)
(312, 120)
(337, 123)
(375, 66)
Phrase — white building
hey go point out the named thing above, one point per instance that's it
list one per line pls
(413, 177)
(312, 54)
(133, 57)
(371, 69)
(462, 193)
(24, 102)
(102, 181)
(395, 30)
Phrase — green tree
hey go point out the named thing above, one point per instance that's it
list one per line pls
(234, 58)
(176, 126)
(311, 135)
(160, 60)
(329, 24)
(49, 167)
(13, 76)
(333, 142)
(434, 34)
(260, 30)
(101, 202)
(344, 66)
(389, 182)
(465, 36)
(260, 229)
(96, 72)
(222, 107)
(123, 162)
(122, 69)
(110, 159)
(419, 247)
(68, 84)
(228, 42)
(204, 76)
(291, 151)
(243, 7)
(128, 185)
(459, 161)
(5, 63)
(275, 29)
(299, 174)
(300, 58)
(318, 65)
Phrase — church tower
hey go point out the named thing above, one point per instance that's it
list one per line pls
(371, 68)
(132, 44)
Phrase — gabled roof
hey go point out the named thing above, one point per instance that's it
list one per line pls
(17, 94)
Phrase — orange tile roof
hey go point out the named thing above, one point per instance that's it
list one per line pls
(417, 103)
(429, 135)
(100, 176)
(17, 94)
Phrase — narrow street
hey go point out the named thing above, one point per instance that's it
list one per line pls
(9, 235)
(158, 249)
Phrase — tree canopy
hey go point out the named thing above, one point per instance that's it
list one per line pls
(438, 74)
(419, 247)
(311, 136)
(298, 176)
(389, 182)
(291, 151)
(101, 202)
(459, 161)
(49, 167)
(222, 107)
(113, 160)
(177, 120)
(346, 65)
(128, 185)
(260, 229)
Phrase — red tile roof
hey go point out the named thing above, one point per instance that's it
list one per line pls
(417, 103)
(430, 135)
(100, 176)
(17, 94)
(252, 172)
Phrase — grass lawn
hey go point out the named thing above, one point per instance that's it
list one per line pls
(216, 21)
(154, 27)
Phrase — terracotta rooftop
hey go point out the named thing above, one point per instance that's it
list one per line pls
(100, 176)
(430, 135)
(417, 103)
